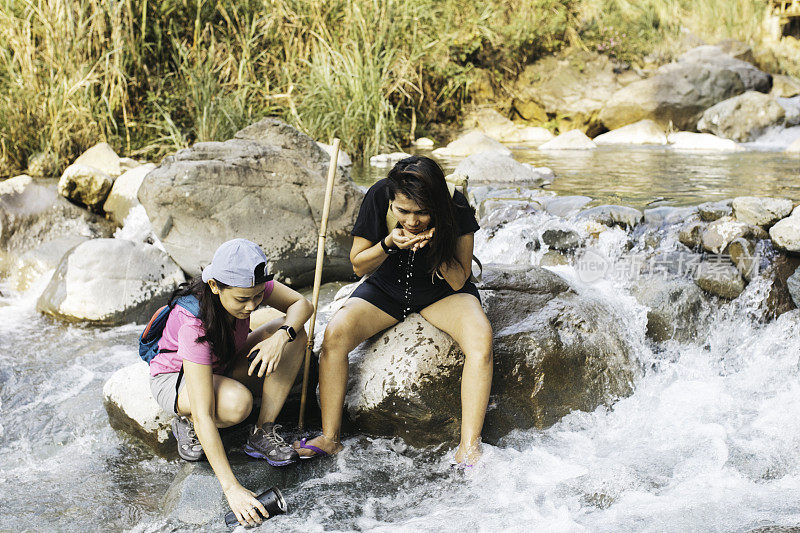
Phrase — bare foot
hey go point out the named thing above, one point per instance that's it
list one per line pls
(468, 454)
(329, 446)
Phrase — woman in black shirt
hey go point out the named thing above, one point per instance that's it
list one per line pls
(422, 265)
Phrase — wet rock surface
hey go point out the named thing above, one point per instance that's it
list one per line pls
(571, 140)
(124, 193)
(785, 234)
(613, 215)
(110, 282)
(711, 211)
(675, 307)
(719, 278)
(761, 211)
(496, 167)
(269, 172)
(743, 117)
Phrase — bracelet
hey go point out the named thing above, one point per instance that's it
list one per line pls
(387, 249)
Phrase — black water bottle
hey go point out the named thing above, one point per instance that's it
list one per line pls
(272, 500)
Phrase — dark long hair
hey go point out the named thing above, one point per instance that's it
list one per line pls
(421, 179)
(214, 317)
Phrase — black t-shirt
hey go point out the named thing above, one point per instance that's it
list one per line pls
(392, 274)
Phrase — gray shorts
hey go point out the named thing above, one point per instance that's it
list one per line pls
(165, 389)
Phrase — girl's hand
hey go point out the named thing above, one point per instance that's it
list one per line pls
(245, 506)
(267, 353)
(403, 239)
(425, 237)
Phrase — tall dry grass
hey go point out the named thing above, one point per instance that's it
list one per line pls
(151, 76)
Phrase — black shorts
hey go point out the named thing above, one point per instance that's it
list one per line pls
(399, 307)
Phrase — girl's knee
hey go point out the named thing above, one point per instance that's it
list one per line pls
(234, 404)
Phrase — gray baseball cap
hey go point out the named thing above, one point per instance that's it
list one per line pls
(235, 263)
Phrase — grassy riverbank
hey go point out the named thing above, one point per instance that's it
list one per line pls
(151, 76)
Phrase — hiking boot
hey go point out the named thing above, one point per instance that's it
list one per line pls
(189, 448)
(265, 443)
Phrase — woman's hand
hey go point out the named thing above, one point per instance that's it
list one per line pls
(425, 237)
(406, 240)
(245, 506)
(267, 353)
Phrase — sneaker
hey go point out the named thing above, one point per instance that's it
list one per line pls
(265, 443)
(189, 448)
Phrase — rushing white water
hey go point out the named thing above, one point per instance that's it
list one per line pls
(708, 441)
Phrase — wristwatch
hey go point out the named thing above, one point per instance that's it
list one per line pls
(387, 249)
(289, 331)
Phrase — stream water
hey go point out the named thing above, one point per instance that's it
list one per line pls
(708, 441)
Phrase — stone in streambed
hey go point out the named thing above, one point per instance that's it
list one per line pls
(124, 193)
(711, 211)
(495, 167)
(743, 256)
(500, 128)
(195, 496)
(675, 307)
(561, 240)
(613, 215)
(780, 298)
(718, 277)
(473, 142)
(85, 186)
(555, 352)
(268, 183)
(386, 160)
(34, 263)
(761, 211)
(701, 142)
(784, 86)
(793, 148)
(131, 408)
(785, 234)
(102, 157)
(743, 117)
(793, 285)
(666, 214)
(344, 159)
(571, 140)
(720, 233)
(642, 132)
(110, 282)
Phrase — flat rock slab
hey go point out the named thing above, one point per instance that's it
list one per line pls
(761, 211)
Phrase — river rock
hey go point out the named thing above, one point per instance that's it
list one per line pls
(573, 89)
(784, 86)
(785, 234)
(32, 213)
(127, 163)
(642, 132)
(793, 284)
(266, 184)
(495, 167)
(613, 215)
(554, 352)
(675, 307)
(743, 256)
(794, 148)
(780, 299)
(743, 117)
(717, 276)
(43, 164)
(761, 211)
(679, 92)
(124, 193)
(473, 142)
(387, 160)
(344, 159)
(110, 282)
(711, 211)
(500, 128)
(720, 233)
(701, 142)
(564, 206)
(571, 140)
(102, 157)
(85, 185)
(424, 142)
(667, 215)
(553, 258)
(561, 239)
(131, 408)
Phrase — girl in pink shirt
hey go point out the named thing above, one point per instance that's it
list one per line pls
(209, 366)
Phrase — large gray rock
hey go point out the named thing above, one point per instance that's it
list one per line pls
(110, 282)
(29, 266)
(642, 132)
(571, 140)
(743, 117)
(266, 184)
(85, 185)
(561, 239)
(613, 215)
(501, 129)
(675, 307)
(554, 351)
(679, 92)
(124, 193)
(720, 233)
(761, 211)
(785, 234)
(495, 167)
(131, 408)
(470, 143)
(32, 213)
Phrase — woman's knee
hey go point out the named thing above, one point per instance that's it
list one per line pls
(338, 339)
(234, 403)
(478, 347)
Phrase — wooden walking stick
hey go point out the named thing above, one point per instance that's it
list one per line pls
(323, 230)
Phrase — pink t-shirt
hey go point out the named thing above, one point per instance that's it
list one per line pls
(181, 333)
